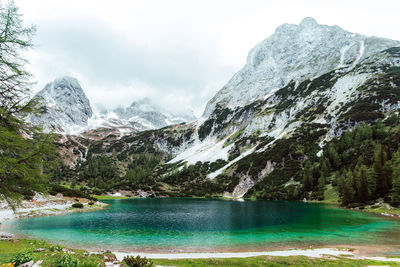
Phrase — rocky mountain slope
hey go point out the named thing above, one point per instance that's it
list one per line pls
(67, 110)
(295, 53)
(320, 69)
(65, 107)
(300, 90)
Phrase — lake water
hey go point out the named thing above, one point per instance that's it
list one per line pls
(175, 224)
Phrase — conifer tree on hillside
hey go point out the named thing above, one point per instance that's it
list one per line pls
(396, 179)
(23, 149)
(362, 185)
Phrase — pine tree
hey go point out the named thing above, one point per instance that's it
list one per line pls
(352, 175)
(348, 139)
(348, 192)
(395, 196)
(14, 79)
(382, 183)
(307, 177)
(340, 180)
(388, 172)
(333, 156)
(321, 187)
(324, 167)
(23, 149)
(316, 173)
(379, 129)
(363, 194)
(364, 132)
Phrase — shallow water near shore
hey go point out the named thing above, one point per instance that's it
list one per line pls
(185, 224)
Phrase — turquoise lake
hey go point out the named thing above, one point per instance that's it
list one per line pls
(174, 224)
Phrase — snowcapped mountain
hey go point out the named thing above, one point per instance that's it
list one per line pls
(295, 53)
(67, 110)
(65, 107)
(146, 116)
(296, 58)
(299, 89)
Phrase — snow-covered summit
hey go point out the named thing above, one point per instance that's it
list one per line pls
(148, 115)
(65, 107)
(295, 53)
(67, 110)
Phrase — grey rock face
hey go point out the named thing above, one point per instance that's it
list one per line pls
(67, 110)
(295, 53)
(65, 107)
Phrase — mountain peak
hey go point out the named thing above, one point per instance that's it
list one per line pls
(295, 53)
(150, 115)
(64, 106)
(67, 80)
(67, 110)
(308, 22)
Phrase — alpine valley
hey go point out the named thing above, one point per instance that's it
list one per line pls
(312, 115)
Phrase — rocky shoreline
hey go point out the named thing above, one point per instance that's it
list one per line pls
(42, 205)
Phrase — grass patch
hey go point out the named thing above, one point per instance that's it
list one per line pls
(331, 195)
(273, 261)
(382, 209)
(49, 253)
(52, 255)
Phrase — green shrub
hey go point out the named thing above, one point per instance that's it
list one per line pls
(55, 248)
(67, 261)
(77, 205)
(89, 263)
(56, 188)
(91, 203)
(21, 257)
(138, 261)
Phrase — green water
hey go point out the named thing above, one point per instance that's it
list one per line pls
(195, 224)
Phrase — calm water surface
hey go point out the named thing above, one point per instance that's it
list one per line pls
(195, 224)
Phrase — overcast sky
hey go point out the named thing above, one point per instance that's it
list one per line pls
(179, 53)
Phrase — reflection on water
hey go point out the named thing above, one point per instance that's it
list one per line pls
(182, 223)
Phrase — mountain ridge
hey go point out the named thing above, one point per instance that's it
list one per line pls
(289, 54)
(260, 147)
(66, 109)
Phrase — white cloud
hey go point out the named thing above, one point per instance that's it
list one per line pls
(179, 52)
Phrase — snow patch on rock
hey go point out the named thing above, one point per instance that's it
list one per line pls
(209, 149)
(295, 53)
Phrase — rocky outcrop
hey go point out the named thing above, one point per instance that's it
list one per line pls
(65, 107)
(295, 53)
